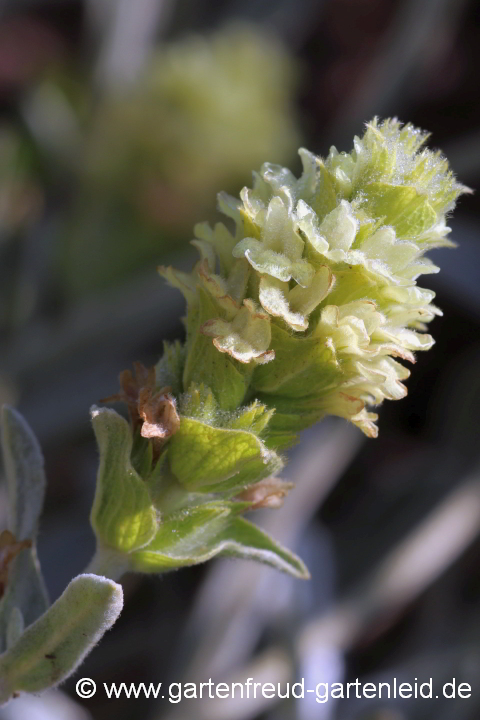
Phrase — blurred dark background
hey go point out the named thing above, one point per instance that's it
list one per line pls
(119, 122)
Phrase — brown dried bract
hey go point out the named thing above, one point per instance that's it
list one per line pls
(158, 411)
(131, 384)
(155, 410)
(268, 493)
(9, 549)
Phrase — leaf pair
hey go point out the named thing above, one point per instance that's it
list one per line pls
(56, 639)
(192, 519)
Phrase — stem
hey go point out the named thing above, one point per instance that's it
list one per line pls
(108, 563)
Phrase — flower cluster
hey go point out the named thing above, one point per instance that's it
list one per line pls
(306, 306)
(311, 298)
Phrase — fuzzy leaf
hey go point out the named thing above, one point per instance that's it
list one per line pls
(184, 538)
(245, 540)
(25, 590)
(220, 239)
(123, 516)
(211, 458)
(196, 535)
(24, 469)
(52, 648)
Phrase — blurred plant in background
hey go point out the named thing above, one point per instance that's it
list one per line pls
(201, 115)
(20, 196)
(21, 206)
(145, 160)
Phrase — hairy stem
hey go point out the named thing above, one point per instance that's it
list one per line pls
(108, 563)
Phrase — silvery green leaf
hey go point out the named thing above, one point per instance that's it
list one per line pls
(53, 647)
(195, 535)
(25, 475)
(24, 469)
(25, 590)
(245, 540)
(15, 627)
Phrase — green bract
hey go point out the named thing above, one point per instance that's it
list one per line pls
(155, 514)
(309, 301)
